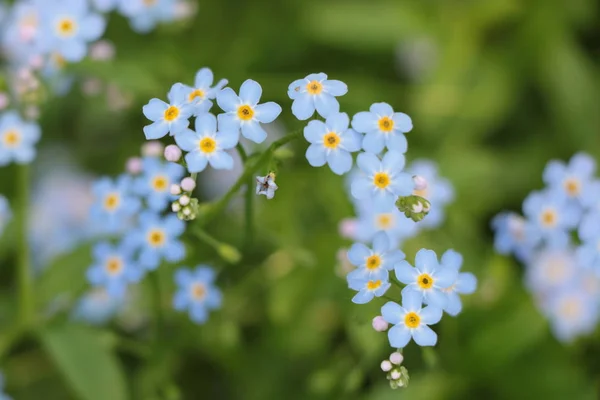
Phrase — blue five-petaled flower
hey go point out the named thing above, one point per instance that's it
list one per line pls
(114, 204)
(316, 92)
(170, 118)
(201, 94)
(197, 292)
(383, 128)
(376, 262)
(114, 268)
(155, 181)
(17, 139)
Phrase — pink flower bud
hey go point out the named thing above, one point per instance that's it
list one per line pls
(395, 375)
(134, 165)
(347, 228)
(420, 182)
(386, 365)
(184, 200)
(172, 153)
(152, 149)
(188, 184)
(102, 51)
(379, 324)
(4, 100)
(175, 189)
(396, 358)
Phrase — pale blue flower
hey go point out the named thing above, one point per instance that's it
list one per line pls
(411, 321)
(367, 288)
(21, 36)
(197, 292)
(383, 128)
(316, 92)
(144, 15)
(114, 268)
(17, 139)
(114, 204)
(266, 185)
(374, 263)
(465, 282)
(69, 25)
(551, 269)
(428, 278)
(590, 197)
(382, 180)
(5, 213)
(572, 313)
(439, 191)
(512, 234)
(157, 238)
(550, 216)
(206, 145)
(588, 254)
(170, 118)
(96, 307)
(243, 111)
(570, 179)
(331, 143)
(155, 181)
(200, 95)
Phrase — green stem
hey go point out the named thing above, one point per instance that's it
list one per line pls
(249, 200)
(157, 304)
(227, 252)
(212, 210)
(25, 282)
(242, 152)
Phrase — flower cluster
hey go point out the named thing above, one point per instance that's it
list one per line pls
(558, 241)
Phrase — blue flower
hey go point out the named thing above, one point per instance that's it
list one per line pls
(552, 269)
(5, 213)
(21, 36)
(244, 112)
(367, 288)
(3, 396)
(197, 292)
(114, 268)
(374, 264)
(106, 5)
(155, 182)
(383, 128)
(572, 313)
(590, 197)
(170, 118)
(382, 180)
(17, 139)
(428, 278)
(144, 15)
(206, 145)
(201, 93)
(157, 238)
(97, 307)
(411, 321)
(465, 282)
(439, 191)
(69, 26)
(331, 143)
(550, 216)
(512, 234)
(316, 92)
(114, 205)
(588, 254)
(571, 179)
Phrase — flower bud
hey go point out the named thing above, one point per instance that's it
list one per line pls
(417, 208)
(386, 365)
(134, 165)
(396, 358)
(420, 182)
(395, 375)
(379, 324)
(175, 189)
(186, 211)
(188, 184)
(348, 227)
(172, 153)
(153, 148)
(184, 200)
(175, 207)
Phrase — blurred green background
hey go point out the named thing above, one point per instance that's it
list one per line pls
(495, 88)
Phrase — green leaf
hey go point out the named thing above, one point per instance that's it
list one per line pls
(90, 369)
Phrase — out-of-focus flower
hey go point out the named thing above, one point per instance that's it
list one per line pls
(155, 181)
(550, 216)
(465, 282)
(570, 179)
(17, 139)
(514, 235)
(197, 292)
(97, 307)
(588, 254)
(114, 268)
(102, 50)
(316, 92)
(383, 128)
(144, 15)
(5, 213)
(114, 204)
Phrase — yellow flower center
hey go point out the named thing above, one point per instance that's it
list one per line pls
(372, 285)
(412, 320)
(386, 124)
(425, 281)
(114, 265)
(314, 87)
(198, 291)
(422, 193)
(160, 183)
(548, 217)
(112, 201)
(381, 180)
(245, 113)
(149, 3)
(156, 238)
(331, 140)
(196, 93)
(385, 221)
(570, 309)
(573, 187)
(207, 145)
(66, 27)
(171, 113)
(12, 138)
(373, 262)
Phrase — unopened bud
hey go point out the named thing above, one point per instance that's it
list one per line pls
(379, 324)
(175, 207)
(184, 200)
(186, 211)
(134, 165)
(395, 375)
(417, 208)
(229, 253)
(188, 184)
(386, 365)
(172, 153)
(420, 182)
(175, 189)
(396, 358)
(152, 149)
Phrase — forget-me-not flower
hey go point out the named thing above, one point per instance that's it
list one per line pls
(197, 292)
(114, 268)
(144, 15)
(411, 321)
(331, 143)
(383, 128)
(316, 92)
(114, 204)
(97, 307)
(550, 216)
(170, 118)
(374, 263)
(17, 139)
(572, 313)
(382, 180)
(155, 182)
(588, 254)
(201, 94)
(243, 111)
(512, 234)
(428, 278)
(266, 185)
(570, 179)
(465, 282)
(206, 145)
(366, 287)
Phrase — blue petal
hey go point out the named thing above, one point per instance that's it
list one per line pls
(411, 299)
(365, 122)
(228, 100)
(392, 313)
(402, 122)
(314, 131)
(424, 336)
(368, 163)
(402, 185)
(303, 106)
(338, 122)
(187, 140)
(340, 161)
(381, 110)
(179, 125)
(221, 160)
(253, 131)
(181, 300)
(24, 155)
(436, 298)
(177, 94)
(466, 283)
(315, 154)
(452, 259)
(358, 253)
(399, 336)
(362, 297)
(250, 92)
(373, 142)
(445, 277)
(204, 78)
(196, 161)
(174, 251)
(335, 87)
(228, 122)
(393, 161)
(326, 105)
(92, 27)
(228, 139)
(206, 123)
(454, 305)
(430, 315)
(426, 261)
(381, 242)
(582, 165)
(405, 272)
(183, 277)
(155, 109)
(351, 140)
(361, 188)
(198, 313)
(267, 112)
(397, 142)
(295, 88)
(156, 130)
(73, 50)
(320, 77)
